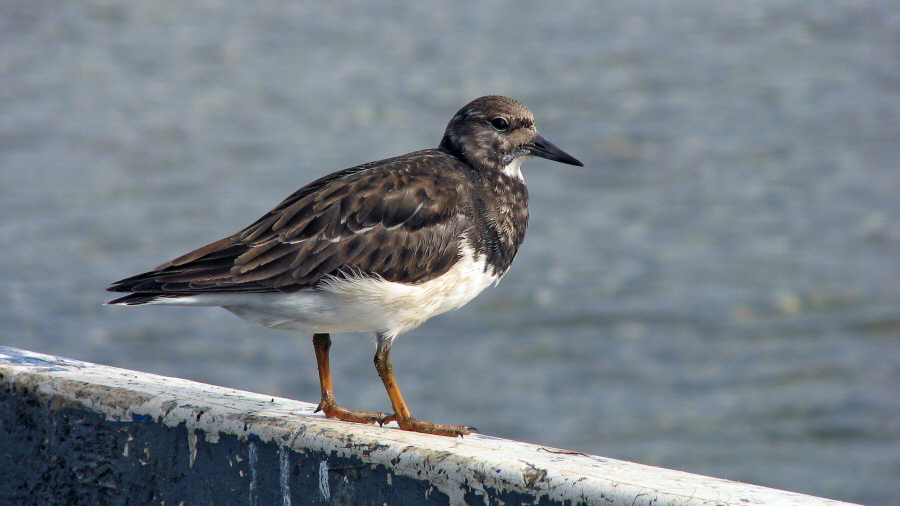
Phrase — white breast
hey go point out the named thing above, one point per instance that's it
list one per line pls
(401, 307)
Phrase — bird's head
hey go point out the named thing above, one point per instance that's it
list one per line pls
(498, 133)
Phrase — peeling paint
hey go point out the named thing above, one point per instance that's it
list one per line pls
(324, 488)
(533, 476)
(477, 468)
(284, 475)
(253, 460)
(192, 446)
(145, 458)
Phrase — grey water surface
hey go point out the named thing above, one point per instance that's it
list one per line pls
(717, 291)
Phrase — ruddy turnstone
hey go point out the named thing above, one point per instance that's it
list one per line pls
(379, 247)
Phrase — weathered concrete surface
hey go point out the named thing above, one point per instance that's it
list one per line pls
(79, 433)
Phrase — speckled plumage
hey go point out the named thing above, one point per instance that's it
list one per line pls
(382, 246)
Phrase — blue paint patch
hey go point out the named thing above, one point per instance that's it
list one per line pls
(141, 418)
(253, 437)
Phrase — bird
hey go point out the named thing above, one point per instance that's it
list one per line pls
(380, 247)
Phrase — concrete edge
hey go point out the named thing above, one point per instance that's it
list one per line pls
(279, 449)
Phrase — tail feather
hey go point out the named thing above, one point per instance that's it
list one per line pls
(154, 285)
(136, 299)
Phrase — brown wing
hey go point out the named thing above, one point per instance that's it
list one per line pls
(400, 219)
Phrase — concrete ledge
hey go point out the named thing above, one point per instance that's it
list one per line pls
(78, 433)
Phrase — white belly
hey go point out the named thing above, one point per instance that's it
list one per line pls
(356, 304)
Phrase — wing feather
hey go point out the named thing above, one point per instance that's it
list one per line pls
(395, 219)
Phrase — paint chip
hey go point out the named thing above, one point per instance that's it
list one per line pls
(324, 488)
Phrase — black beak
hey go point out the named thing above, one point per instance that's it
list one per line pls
(543, 148)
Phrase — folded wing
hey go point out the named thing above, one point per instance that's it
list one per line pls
(382, 219)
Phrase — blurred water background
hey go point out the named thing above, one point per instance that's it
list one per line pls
(716, 292)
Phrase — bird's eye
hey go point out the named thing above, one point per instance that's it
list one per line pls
(499, 123)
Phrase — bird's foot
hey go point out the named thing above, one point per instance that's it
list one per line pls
(413, 425)
(332, 410)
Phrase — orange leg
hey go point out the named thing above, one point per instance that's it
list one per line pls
(322, 343)
(401, 412)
